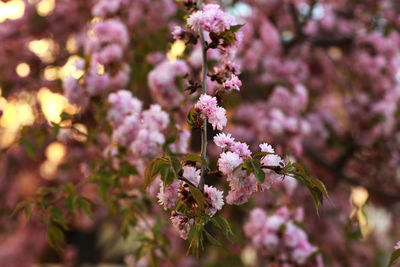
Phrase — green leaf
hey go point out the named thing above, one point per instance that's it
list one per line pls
(320, 185)
(44, 191)
(235, 28)
(198, 196)
(57, 216)
(20, 206)
(30, 149)
(55, 237)
(394, 257)
(302, 170)
(84, 205)
(221, 223)
(258, 172)
(56, 129)
(28, 211)
(262, 154)
(167, 175)
(212, 239)
(195, 158)
(176, 166)
(152, 170)
(314, 193)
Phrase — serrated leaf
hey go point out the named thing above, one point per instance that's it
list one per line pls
(235, 28)
(212, 239)
(176, 166)
(302, 170)
(198, 196)
(314, 194)
(57, 216)
(258, 172)
(394, 257)
(55, 237)
(221, 223)
(320, 185)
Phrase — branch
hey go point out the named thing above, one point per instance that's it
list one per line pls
(204, 86)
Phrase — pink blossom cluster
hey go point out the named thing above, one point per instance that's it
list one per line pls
(282, 114)
(139, 130)
(104, 45)
(214, 200)
(234, 153)
(163, 83)
(278, 236)
(178, 191)
(212, 19)
(181, 223)
(208, 107)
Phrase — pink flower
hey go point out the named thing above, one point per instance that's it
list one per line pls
(270, 159)
(241, 187)
(213, 200)
(192, 174)
(397, 246)
(223, 140)
(228, 161)
(241, 148)
(211, 19)
(207, 105)
(168, 197)
(218, 119)
(178, 33)
(233, 83)
(181, 223)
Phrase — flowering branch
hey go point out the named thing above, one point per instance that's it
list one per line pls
(204, 86)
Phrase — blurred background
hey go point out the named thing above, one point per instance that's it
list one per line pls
(320, 83)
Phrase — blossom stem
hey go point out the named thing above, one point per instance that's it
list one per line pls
(204, 86)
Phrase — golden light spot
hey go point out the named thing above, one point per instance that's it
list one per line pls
(71, 44)
(45, 49)
(95, 19)
(9, 118)
(45, 7)
(23, 69)
(7, 137)
(48, 170)
(24, 114)
(177, 50)
(335, 53)
(359, 196)
(16, 115)
(70, 68)
(51, 73)
(100, 69)
(55, 152)
(13, 9)
(249, 256)
(53, 104)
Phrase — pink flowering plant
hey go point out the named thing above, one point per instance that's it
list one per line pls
(191, 132)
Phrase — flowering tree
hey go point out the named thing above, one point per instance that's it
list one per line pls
(194, 166)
